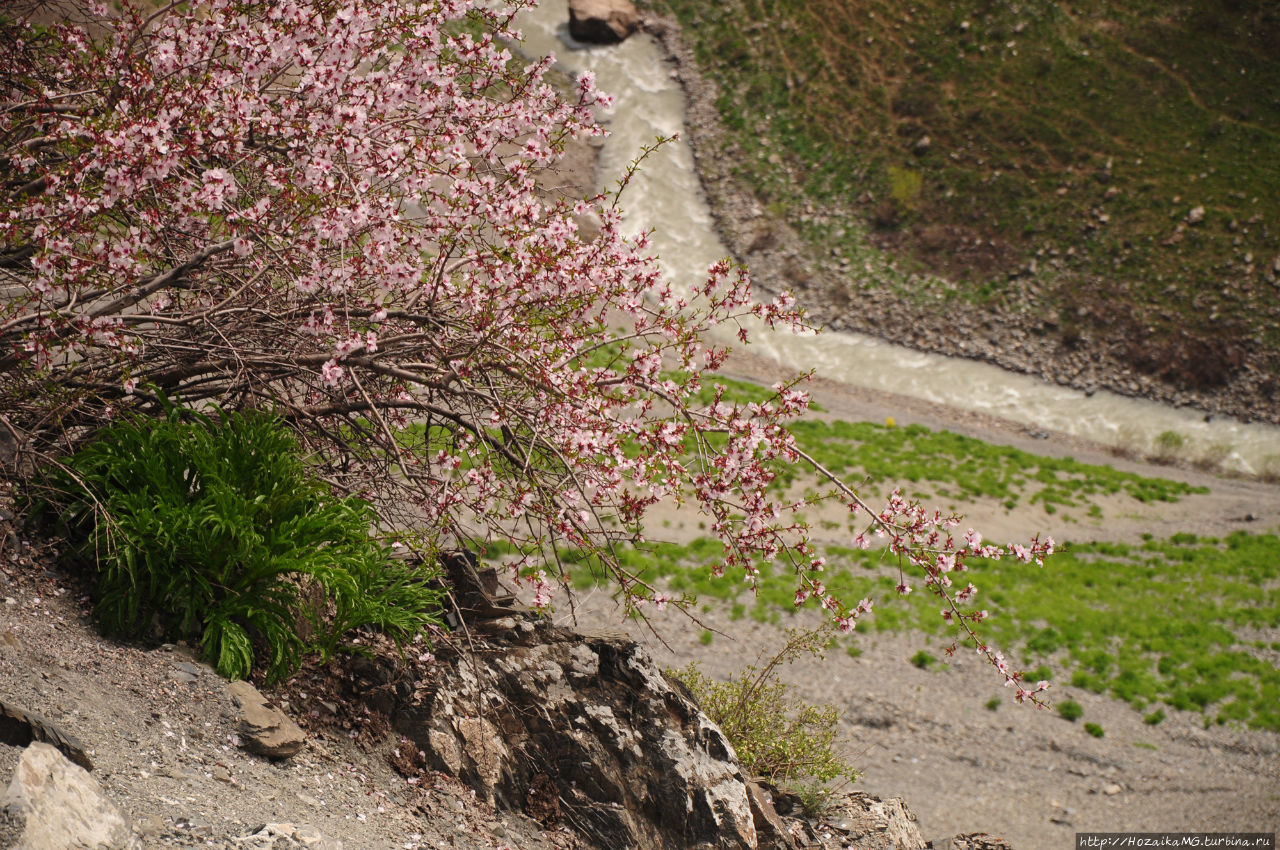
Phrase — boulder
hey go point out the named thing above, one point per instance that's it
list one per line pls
(582, 728)
(769, 824)
(56, 805)
(602, 21)
(265, 729)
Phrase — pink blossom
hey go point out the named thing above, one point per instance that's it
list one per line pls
(331, 373)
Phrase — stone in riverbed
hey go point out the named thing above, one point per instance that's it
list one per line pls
(602, 21)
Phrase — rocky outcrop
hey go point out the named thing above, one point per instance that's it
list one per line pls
(265, 729)
(585, 730)
(52, 804)
(602, 21)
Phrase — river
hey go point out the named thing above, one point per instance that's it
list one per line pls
(666, 196)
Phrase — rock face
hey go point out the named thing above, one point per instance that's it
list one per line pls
(60, 807)
(584, 729)
(602, 21)
(267, 730)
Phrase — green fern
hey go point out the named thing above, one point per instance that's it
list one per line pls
(212, 529)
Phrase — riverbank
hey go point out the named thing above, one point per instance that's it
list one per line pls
(1021, 337)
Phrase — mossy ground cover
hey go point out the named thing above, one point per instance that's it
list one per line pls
(970, 138)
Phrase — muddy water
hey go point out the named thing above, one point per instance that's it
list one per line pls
(666, 197)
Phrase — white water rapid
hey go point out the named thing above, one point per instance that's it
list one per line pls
(667, 197)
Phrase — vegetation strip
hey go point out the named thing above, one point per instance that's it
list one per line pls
(1180, 622)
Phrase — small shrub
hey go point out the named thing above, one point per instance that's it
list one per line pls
(815, 797)
(212, 529)
(1094, 729)
(1154, 718)
(706, 637)
(1070, 710)
(923, 660)
(1041, 672)
(1168, 444)
(993, 704)
(775, 736)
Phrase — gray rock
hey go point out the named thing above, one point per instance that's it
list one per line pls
(265, 729)
(602, 21)
(769, 824)
(584, 727)
(61, 807)
(869, 823)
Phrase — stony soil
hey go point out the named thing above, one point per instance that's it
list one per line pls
(1018, 772)
(163, 736)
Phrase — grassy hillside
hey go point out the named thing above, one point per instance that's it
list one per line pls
(1110, 166)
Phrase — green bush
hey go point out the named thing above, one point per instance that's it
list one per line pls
(212, 529)
(1168, 444)
(923, 660)
(775, 736)
(1070, 710)
(1094, 729)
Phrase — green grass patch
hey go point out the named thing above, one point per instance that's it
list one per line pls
(923, 660)
(962, 468)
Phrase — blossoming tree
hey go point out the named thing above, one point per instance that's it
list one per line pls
(328, 208)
